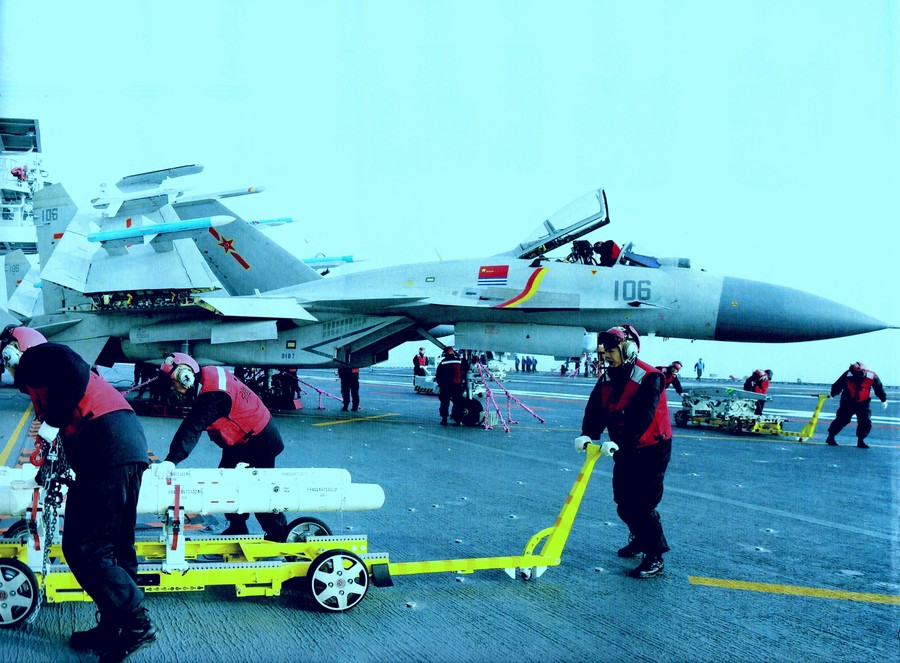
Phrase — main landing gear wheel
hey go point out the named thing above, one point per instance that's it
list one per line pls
(469, 413)
(19, 593)
(337, 580)
(300, 529)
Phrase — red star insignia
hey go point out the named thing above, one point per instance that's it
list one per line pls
(227, 244)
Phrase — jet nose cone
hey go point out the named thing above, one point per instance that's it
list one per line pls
(765, 313)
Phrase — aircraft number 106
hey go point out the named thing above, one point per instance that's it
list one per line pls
(633, 290)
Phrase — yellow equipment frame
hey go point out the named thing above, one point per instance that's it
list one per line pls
(256, 567)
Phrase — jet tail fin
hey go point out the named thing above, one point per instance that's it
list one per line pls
(54, 210)
(244, 259)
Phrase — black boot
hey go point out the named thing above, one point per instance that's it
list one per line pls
(137, 631)
(235, 528)
(631, 548)
(861, 444)
(650, 566)
(830, 441)
(97, 638)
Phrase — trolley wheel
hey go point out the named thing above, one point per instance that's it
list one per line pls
(734, 426)
(681, 418)
(337, 580)
(19, 593)
(300, 529)
(16, 530)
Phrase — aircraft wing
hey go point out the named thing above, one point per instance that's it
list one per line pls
(362, 305)
(257, 307)
(154, 178)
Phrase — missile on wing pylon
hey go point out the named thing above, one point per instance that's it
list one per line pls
(239, 490)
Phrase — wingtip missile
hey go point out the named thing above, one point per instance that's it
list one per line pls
(168, 228)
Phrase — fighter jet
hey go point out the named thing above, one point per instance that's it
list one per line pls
(271, 309)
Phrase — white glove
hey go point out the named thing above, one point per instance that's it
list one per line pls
(884, 405)
(164, 469)
(581, 443)
(608, 448)
(48, 432)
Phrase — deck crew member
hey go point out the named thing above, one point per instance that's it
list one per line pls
(420, 361)
(670, 372)
(104, 444)
(855, 387)
(349, 387)
(628, 403)
(758, 383)
(235, 419)
(449, 377)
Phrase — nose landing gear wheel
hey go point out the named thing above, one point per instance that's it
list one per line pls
(18, 593)
(337, 580)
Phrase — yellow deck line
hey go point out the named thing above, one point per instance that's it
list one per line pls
(335, 422)
(4, 456)
(815, 592)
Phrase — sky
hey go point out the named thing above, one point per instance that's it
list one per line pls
(759, 139)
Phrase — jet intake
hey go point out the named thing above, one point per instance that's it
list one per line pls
(556, 340)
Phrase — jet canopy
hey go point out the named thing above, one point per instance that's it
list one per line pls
(576, 219)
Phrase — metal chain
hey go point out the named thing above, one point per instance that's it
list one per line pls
(56, 474)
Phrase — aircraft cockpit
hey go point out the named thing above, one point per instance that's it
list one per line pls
(577, 219)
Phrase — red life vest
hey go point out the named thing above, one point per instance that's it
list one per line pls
(669, 376)
(859, 390)
(451, 372)
(248, 415)
(659, 429)
(99, 398)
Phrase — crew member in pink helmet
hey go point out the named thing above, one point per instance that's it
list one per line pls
(235, 419)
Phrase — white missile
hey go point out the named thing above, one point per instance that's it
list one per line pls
(240, 490)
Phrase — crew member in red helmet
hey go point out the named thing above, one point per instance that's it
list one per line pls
(236, 420)
(855, 387)
(628, 403)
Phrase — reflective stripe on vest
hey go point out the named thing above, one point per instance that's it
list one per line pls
(248, 415)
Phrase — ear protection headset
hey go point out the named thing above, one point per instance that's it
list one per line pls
(11, 355)
(181, 368)
(626, 338)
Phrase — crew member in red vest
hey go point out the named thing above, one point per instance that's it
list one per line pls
(855, 387)
(349, 387)
(420, 361)
(628, 403)
(449, 376)
(235, 419)
(103, 442)
(670, 372)
(758, 383)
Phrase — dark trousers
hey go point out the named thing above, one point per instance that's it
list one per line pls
(260, 451)
(637, 490)
(845, 413)
(98, 537)
(449, 393)
(350, 390)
